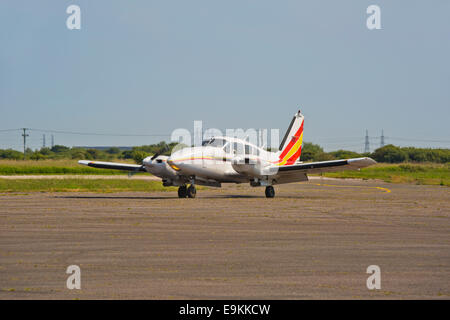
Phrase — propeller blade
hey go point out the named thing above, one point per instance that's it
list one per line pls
(132, 173)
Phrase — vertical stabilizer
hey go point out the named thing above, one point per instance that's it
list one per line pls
(291, 145)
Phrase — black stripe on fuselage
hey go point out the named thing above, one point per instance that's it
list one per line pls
(111, 166)
(317, 165)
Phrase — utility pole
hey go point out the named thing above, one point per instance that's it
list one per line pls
(24, 135)
(366, 144)
(43, 140)
(382, 139)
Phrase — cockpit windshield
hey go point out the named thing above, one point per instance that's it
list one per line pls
(213, 142)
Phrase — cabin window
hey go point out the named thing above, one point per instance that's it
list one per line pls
(238, 148)
(213, 142)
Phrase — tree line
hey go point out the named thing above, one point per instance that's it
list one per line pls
(386, 154)
(310, 152)
(60, 152)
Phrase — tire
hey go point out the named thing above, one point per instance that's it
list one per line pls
(182, 192)
(191, 191)
(270, 192)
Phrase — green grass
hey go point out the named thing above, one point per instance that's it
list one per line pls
(431, 174)
(81, 185)
(51, 167)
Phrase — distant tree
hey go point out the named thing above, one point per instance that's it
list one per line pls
(79, 154)
(127, 154)
(390, 154)
(428, 155)
(93, 154)
(323, 156)
(310, 151)
(345, 154)
(11, 154)
(159, 148)
(113, 150)
(59, 148)
(36, 155)
(139, 155)
(46, 151)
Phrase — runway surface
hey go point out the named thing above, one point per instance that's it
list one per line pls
(314, 240)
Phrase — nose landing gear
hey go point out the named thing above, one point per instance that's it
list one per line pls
(270, 192)
(185, 191)
(182, 192)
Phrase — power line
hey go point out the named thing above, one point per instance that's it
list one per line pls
(101, 134)
(339, 139)
(338, 143)
(8, 130)
(419, 140)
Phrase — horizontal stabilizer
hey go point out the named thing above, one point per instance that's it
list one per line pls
(329, 166)
(298, 172)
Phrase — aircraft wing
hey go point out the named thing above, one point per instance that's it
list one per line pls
(298, 172)
(113, 165)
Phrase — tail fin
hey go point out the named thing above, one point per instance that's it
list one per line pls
(291, 146)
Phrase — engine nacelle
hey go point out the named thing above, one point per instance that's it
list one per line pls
(159, 167)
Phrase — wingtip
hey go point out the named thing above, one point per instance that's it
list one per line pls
(370, 161)
(366, 161)
(84, 162)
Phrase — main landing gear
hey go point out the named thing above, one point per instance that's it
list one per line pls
(191, 192)
(270, 192)
(185, 191)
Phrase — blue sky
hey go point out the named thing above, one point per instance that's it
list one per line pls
(148, 67)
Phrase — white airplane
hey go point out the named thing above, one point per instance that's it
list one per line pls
(231, 160)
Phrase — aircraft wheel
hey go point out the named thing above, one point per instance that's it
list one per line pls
(270, 192)
(182, 192)
(191, 191)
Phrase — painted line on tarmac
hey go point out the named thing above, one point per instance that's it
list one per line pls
(333, 185)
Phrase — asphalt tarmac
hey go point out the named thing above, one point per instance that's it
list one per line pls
(314, 240)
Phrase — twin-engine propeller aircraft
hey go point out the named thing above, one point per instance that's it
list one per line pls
(231, 160)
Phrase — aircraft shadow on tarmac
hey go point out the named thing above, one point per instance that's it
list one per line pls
(159, 197)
